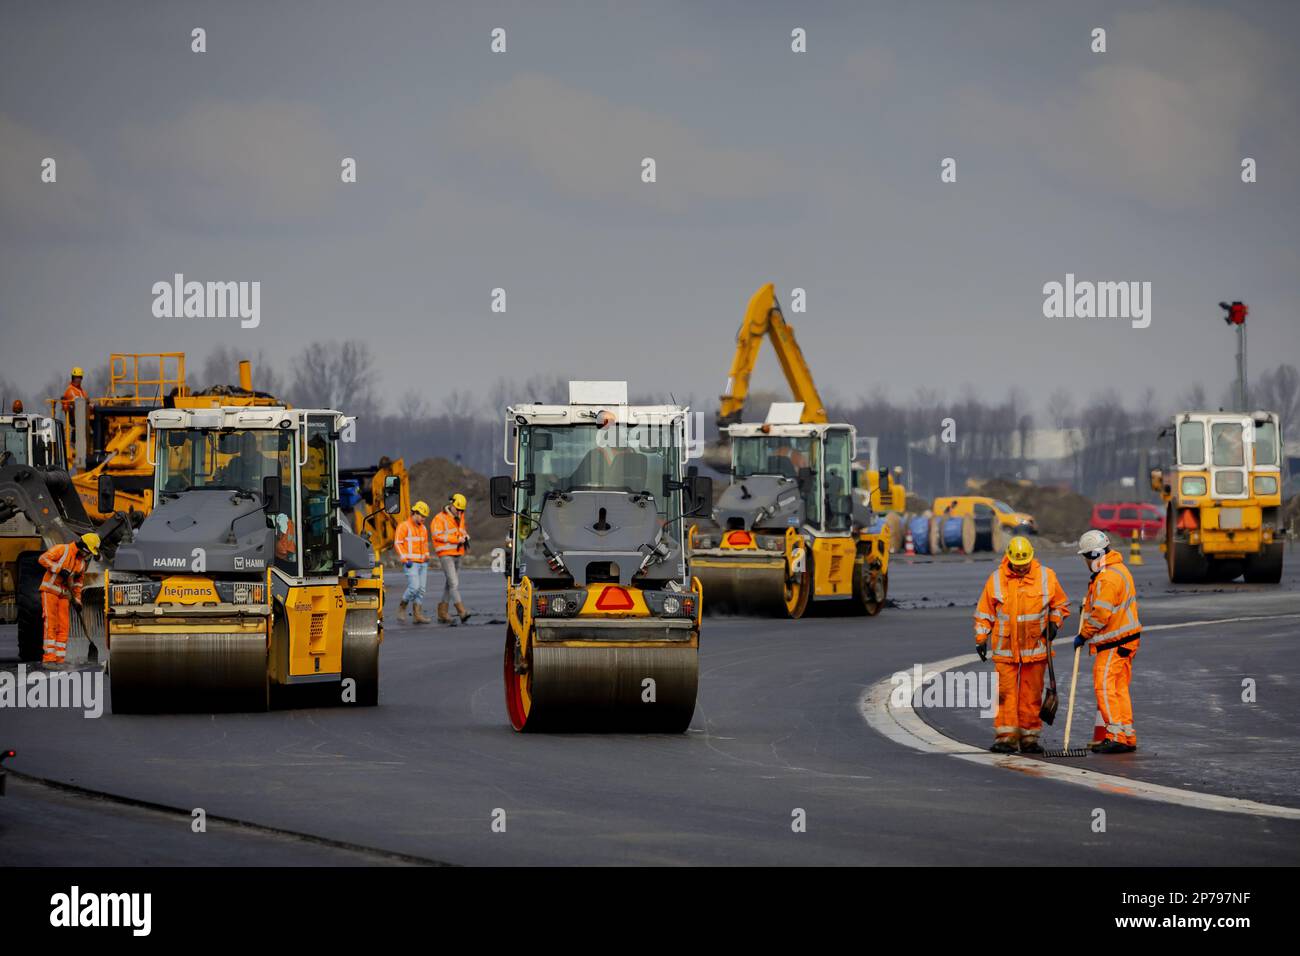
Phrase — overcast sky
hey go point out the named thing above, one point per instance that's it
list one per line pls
(522, 170)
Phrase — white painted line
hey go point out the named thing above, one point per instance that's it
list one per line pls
(1222, 620)
(903, 725)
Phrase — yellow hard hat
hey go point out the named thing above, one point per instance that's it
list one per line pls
(458, 501)
(1020, 552)
(420, 508)
(91, 541)
(77, 372)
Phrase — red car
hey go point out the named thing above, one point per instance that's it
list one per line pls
(1120, 519)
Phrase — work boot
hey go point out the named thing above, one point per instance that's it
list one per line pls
(1115, 747)
(1003, 747)
(401, 609)
(420, 616)
(442, 613)
(464, 614)
(1031, 746)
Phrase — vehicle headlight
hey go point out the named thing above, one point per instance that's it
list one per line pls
(1265, 484)
(672, 605)
(123, 594)
(1193, 486)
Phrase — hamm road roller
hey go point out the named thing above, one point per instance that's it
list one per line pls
(790, 530)
(603, 614)
(243, 580)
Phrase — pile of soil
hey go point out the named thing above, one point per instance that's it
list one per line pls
(435, 480)
(1061, 515)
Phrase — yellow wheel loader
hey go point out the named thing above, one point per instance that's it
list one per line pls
(790, 531)
(1223, 497)
(603, 613)
(243, 580)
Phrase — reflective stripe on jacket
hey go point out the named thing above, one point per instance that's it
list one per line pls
(60, 559)
(1014, 610)
(412, 542)
(1110, 611)
(448, 534)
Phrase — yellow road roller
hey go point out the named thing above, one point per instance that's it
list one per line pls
(1223, 497)
(789, 530)
(603, 613)
(243, 580)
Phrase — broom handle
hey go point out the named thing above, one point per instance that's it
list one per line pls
(1074, 682)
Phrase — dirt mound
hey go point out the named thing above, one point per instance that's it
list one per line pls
(1061, 515)
(435, 480)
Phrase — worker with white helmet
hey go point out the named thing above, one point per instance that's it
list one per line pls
(412, 544)
(449, 541)
(1112, 631)
(1019, 612)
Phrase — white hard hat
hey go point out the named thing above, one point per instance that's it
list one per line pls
(1093, 542)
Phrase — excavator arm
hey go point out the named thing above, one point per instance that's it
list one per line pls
(763, 316)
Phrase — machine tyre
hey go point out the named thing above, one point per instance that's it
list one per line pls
(1186, 563)
(798, 591)
(1265, 567)
(31, 623)
(515, 685)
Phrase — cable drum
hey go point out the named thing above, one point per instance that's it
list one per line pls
(959, 534)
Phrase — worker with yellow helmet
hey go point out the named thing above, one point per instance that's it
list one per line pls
(412, 544)
(449, 541)
(73, 392)
(1017, 618)
(65, 568)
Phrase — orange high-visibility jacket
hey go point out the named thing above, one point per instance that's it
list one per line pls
(1110, 611)
(448, 534)
(59, 560)
(71, 394)
(412, 542)
(1014, 610)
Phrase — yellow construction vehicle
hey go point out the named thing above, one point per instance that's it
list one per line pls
(114, 436)
(31, 441)
(362, 493)
(243, 579)
(764, 318)
(789, 529)
(603, 613)
(1223, 497)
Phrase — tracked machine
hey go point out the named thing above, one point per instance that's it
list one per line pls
(1223, 497)
(243, 581)
(790, 532)
(603, 612)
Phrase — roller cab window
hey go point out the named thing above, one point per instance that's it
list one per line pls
(838, 482)
(227, 460)
(319, 541)
(785, 455)
(13, 445)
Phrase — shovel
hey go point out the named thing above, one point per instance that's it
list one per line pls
(1051, 700)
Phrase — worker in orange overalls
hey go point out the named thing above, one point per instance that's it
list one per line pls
(449, 539)
(412, 543)
(1112, 631)
(1019, 613)
(65, 566)
(73, 392)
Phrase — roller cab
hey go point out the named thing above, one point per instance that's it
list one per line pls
(242, 582)
(1223, 497)
(603, 614)
(789, 532)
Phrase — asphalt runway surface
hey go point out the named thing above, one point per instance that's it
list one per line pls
(778, 737)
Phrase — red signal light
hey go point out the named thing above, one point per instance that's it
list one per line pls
(615, 599)
(739, 539)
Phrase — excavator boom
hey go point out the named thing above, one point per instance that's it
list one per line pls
(763, 316)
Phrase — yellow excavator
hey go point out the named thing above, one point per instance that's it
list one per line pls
(790, 531)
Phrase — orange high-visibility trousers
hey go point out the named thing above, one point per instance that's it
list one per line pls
(1112, 671)
(56, 610)
(1020, 697)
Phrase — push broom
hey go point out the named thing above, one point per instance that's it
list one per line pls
(1048, 711)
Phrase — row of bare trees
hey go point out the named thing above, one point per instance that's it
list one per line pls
(1095, 442)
